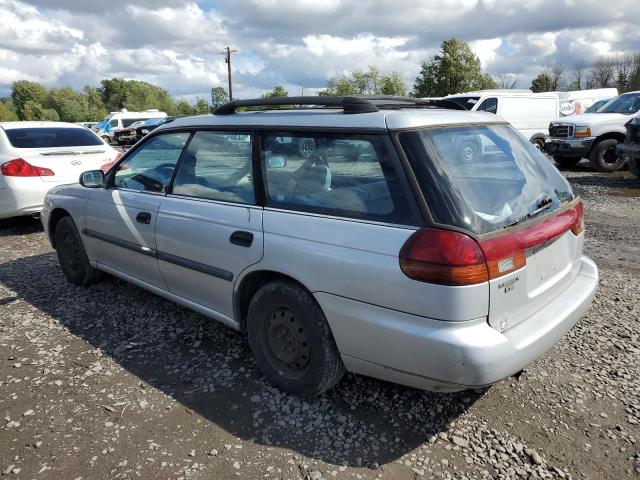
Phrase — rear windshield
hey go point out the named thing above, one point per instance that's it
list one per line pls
(483, 177)
(51, 137)
(467, 102)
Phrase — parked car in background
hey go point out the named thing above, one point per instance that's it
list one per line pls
(105, 128)
(150, 125)
(528, 112)
(126, 135)
(404, 262)
(594, 135)
(597, 105)
(35, 156)
(630, 149)
(577, 102)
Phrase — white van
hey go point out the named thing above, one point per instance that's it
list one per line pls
(529, 113)
(576, 102)
(122, 119)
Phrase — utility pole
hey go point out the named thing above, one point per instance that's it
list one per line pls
(227, 59)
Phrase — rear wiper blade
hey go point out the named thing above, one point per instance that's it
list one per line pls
(542, 205)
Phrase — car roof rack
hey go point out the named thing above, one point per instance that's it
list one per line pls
(349, 105)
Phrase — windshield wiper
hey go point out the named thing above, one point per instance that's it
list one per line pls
(542, 205)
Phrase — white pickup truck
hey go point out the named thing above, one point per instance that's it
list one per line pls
(593, 135)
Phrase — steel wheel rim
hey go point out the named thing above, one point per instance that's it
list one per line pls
(307, 148)
(288, 345)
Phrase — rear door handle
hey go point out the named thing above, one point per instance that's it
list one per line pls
(241, 238)
(143, 217)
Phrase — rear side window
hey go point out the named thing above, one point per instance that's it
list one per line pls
(483, 177)
(353, 176)
(51, 137)
(217, 166)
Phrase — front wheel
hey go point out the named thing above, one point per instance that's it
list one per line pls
(566, 162)
(71, 254)
(538, 143)
(291, 340)
(604, 157)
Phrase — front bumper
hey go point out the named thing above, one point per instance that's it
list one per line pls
(570, 147)
(450, 356)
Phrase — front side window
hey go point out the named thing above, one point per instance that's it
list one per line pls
(150, 167)
(217, 166)
(489, 105)
(352, 176)
(467, 102)
(113, 123)
(505, 180)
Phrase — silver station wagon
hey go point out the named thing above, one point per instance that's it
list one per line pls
(343, 234)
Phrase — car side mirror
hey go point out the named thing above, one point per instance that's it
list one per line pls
(92, 179)
(277, 162)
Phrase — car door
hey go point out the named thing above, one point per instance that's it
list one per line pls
(121, 219)
(209, 228)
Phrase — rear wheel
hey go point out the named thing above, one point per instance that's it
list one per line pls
(538, 143)
(468, 151)
(106, 139)
(566, 162)
(291, 339)
(72, 255)
(604, 157)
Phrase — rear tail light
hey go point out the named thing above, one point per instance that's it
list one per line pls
(21, 168)
(446, 257)
(105, 168)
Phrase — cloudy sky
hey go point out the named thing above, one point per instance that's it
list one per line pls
(175, 43)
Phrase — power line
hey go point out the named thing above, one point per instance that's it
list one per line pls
(227, 59)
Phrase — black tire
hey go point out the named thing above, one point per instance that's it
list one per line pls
(106, 139)
(538, 143)
(566, 162)
(604, 157)
(468, 152)
(72, 255)
(291, 340)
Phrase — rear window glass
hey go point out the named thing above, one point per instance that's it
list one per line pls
(51, 137)
(484, 177)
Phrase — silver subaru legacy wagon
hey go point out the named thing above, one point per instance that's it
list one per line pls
(343, 234)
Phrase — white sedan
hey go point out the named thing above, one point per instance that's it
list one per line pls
(36, 156)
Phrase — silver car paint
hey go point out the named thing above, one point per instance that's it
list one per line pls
(385, 324)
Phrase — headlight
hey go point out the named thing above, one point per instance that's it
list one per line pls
(582, 131)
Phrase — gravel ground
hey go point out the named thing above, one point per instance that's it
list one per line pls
(113, 382)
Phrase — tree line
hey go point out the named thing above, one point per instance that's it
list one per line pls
(454, 69)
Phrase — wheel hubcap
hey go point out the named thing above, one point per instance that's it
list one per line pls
(287, 340)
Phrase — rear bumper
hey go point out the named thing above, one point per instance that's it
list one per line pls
(571, 147)
(25, 198)
(449, 356)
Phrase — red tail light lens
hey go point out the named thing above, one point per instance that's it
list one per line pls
(444, 257)
(105, 168)
(452, 258)
(21, 168)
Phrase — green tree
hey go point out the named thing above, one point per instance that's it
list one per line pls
(184, 108)
(455, 69)
(7, 110)
(23, 92)
(219, 96)
(201, 106)
(33, 110)
(542, 83)
(133, 95)
(277, 92)
(95, 108)
(70, 105)
(371, 82)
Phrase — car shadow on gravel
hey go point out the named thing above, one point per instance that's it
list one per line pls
(209, 369)
(19, 226)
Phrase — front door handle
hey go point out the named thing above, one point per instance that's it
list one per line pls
(143, 217)
(241, 238)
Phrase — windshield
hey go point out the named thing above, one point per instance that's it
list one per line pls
(467, 102)
(483, 177)
(628, 103)
(51, 137)
(597, 106)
